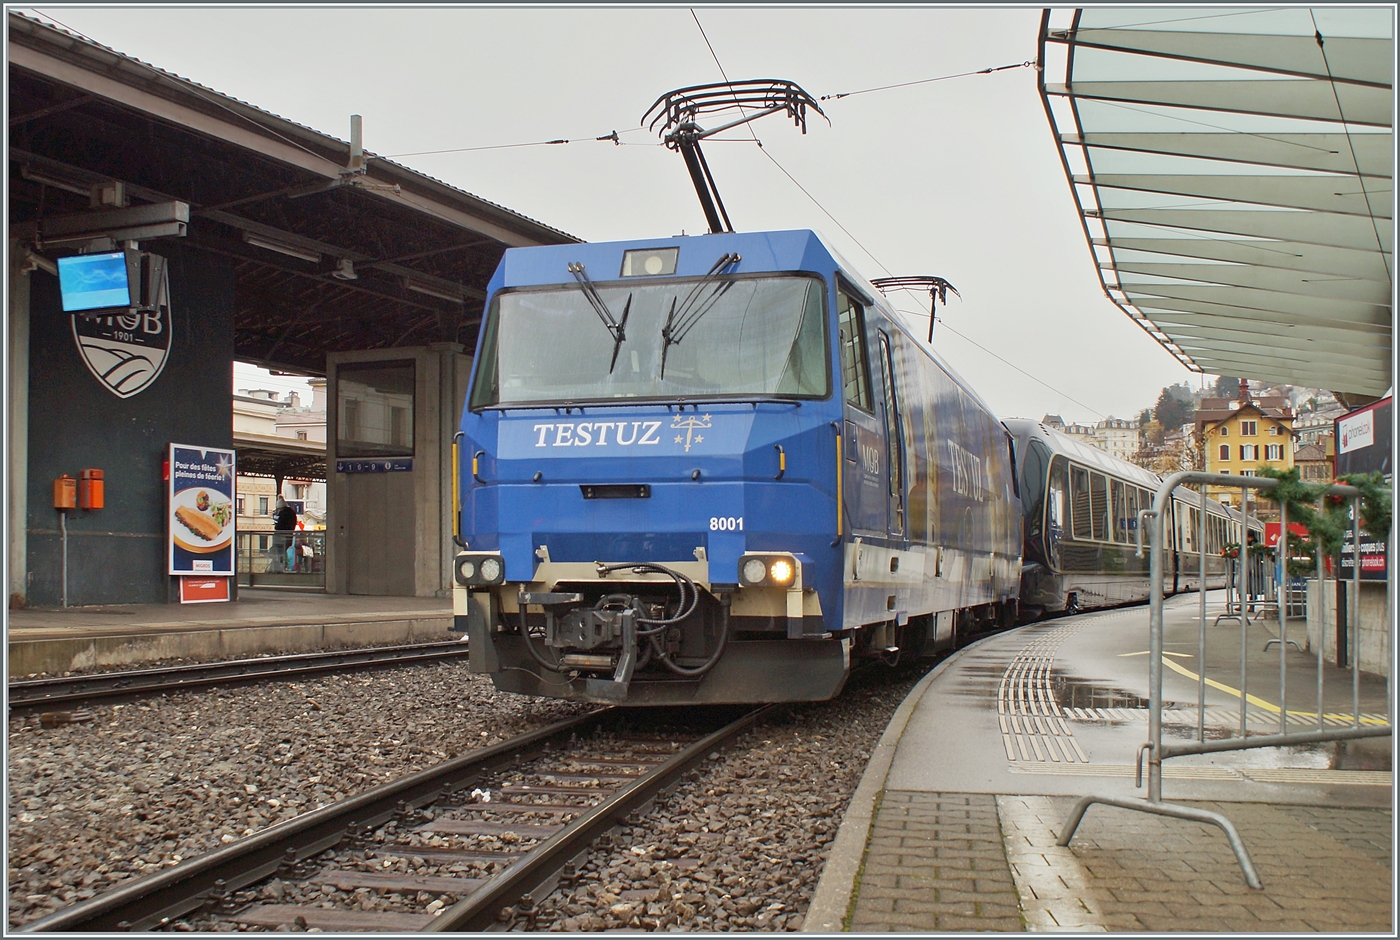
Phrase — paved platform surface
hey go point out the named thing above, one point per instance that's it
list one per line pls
(260, 621)
(954, 825)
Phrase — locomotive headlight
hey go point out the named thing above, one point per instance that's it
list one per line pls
(649, 262)
(491, 569)
(768, 570)
(477, 569)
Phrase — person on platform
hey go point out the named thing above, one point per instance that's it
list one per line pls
(284, 522)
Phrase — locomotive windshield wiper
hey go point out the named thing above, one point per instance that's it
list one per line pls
(618, 328)
(680, 321)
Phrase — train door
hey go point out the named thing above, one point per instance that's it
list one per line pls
(864, 489)
(894, 441)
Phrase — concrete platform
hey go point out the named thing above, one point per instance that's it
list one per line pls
(56, 640)
(954, 824)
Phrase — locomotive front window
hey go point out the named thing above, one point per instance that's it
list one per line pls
(743, 336)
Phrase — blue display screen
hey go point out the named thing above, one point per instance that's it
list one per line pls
(91, 282)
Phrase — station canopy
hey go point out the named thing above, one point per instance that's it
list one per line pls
(331, 247)
(1233, 171)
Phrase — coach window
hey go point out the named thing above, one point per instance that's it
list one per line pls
(1079, 502)
(1133, 507)
(1099, 495)
(855, 365)
(1120, 511)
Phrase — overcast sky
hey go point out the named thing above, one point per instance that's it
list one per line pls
(957, 178)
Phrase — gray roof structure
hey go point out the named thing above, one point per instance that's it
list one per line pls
(1233, 173)
(331, 249)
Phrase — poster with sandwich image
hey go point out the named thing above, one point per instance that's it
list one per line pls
(202, 513)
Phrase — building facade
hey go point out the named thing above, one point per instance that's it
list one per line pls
(1118, 436)
(1314, 463)
(1243, 438)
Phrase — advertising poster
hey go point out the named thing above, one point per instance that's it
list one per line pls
(1364, 446)
(201, 520)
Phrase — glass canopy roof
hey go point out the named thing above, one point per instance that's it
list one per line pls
(1233, 171)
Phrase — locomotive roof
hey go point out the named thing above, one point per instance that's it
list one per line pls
(778, 251)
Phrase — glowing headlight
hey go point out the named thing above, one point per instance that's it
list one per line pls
(754, 570)
(780, 571)
(491, 569)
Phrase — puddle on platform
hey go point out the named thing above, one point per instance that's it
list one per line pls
(1361, 754)
(1071, 692)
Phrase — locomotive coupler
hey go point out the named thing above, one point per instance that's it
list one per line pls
(590, 628)
(609, 625)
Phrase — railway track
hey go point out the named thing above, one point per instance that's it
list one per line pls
(74, 691)
(505, 822)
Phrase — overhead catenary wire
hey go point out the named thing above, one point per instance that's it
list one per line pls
(1351, 145)
(1029, 63)
(611, 137)
(847, 231)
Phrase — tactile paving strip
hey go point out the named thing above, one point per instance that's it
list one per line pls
(1033, 726)
(1318, 776)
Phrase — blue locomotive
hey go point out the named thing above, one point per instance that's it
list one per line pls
(718, 469)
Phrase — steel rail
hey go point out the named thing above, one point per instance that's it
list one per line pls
(483, 908)
(29, 694)
(154, 900)
(151, 900)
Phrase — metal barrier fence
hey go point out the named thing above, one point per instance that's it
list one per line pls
(1157, 750)
(282, 559)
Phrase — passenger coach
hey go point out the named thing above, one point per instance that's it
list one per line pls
(718, 469)
(1081, 517)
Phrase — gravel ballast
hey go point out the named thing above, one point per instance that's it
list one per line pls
(147, 784)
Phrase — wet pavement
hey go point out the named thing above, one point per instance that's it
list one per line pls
(959, 812)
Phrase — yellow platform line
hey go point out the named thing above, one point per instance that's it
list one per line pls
(1259, 702)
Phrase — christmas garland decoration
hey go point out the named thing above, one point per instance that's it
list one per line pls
(1327, 526)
